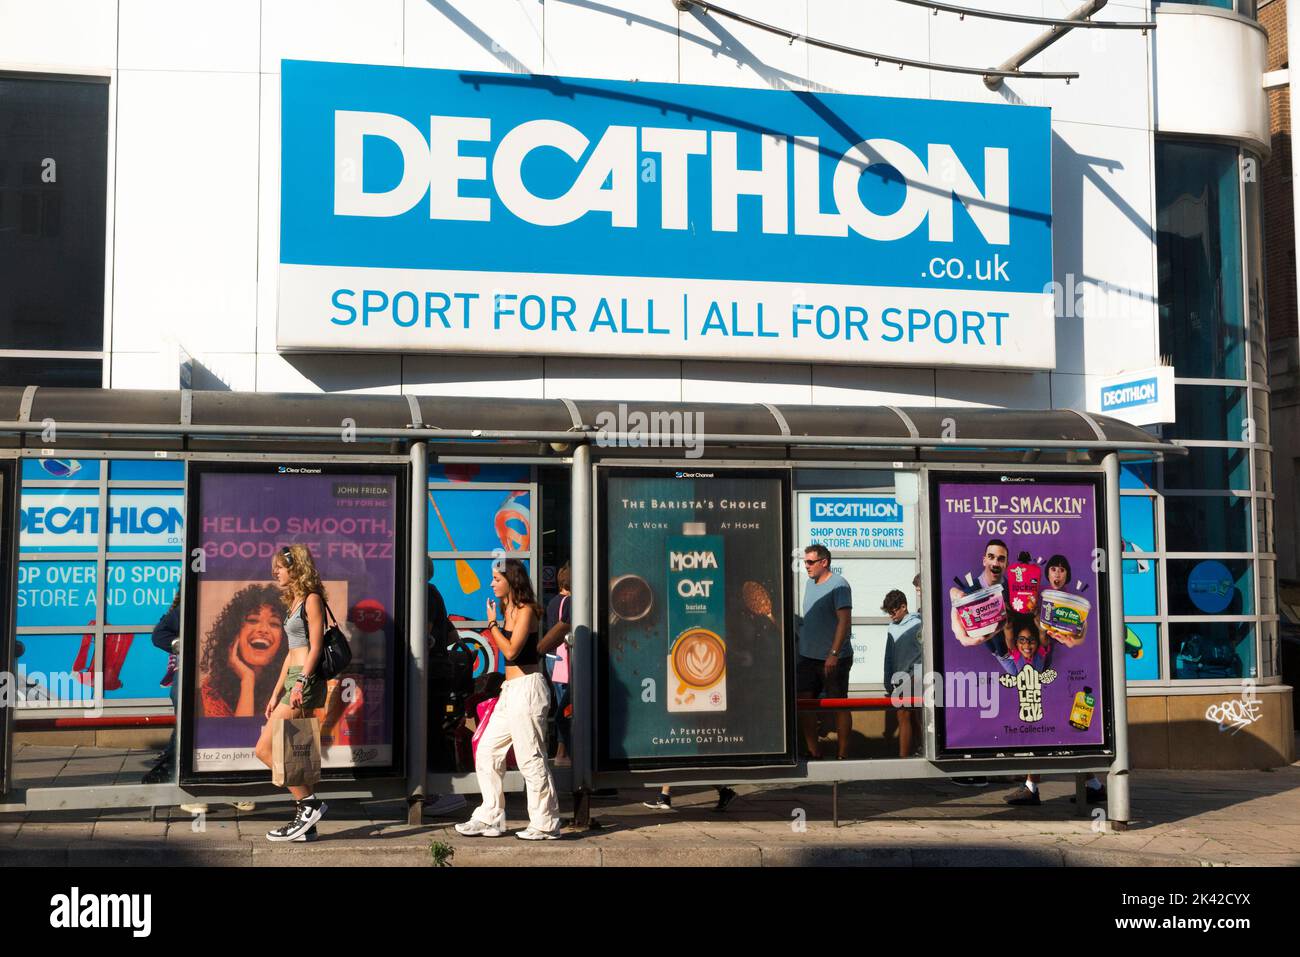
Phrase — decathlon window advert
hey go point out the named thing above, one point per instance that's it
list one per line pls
(1021, 608)
(695, 650)
(439, 210)
(336, 530)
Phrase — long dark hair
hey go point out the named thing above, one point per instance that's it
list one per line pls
(521, 586)
(215, 661)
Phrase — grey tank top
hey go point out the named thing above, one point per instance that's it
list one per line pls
(295, 629)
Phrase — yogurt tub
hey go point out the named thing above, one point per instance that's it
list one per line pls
(981, 612)
(1064, 615)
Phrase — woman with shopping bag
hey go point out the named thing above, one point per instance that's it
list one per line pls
(519, 718)
(299, 692)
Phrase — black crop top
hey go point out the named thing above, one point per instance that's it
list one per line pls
(528, 653)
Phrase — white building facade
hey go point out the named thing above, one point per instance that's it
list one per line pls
(1148, 165)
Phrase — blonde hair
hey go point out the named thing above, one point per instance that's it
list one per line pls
(304, 580)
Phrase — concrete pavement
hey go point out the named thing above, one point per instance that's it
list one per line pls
(1199, 818)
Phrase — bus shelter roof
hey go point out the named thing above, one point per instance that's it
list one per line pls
(119, 415)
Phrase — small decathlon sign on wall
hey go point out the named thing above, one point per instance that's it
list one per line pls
(435, 210)
(1143, 397)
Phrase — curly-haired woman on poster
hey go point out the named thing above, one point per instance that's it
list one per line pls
(519, 718)
(299, 689)
(244, 654)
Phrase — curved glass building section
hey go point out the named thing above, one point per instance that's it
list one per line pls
(1200, 593)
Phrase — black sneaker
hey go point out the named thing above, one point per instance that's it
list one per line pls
(971, 782)
(1095, 795)
(662, 802)
(291, 831)
(1025, 798)
(303, 820)
(725, 797)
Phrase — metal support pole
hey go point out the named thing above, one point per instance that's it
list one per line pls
(1117, 806)
(835, 803)
(582, 651)
(417, 685)
(1081, 795)
(1042, 42)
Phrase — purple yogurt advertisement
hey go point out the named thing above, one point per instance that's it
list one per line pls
(348, 521)
(1020, 614)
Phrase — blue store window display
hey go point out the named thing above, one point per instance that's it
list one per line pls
(81, 637)
(477, 515)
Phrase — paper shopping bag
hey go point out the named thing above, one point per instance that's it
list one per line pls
(295, 752)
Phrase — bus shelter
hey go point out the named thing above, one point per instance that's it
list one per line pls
(684, 526)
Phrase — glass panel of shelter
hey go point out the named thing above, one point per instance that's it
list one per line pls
(99, 559)
(479, 515)
(871, 530)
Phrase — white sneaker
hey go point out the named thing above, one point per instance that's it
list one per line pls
(194, 808)
(436, 805)
(476, 828)
(244, 805)
(533, 834)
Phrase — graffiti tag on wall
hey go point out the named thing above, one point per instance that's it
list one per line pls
(1238, 714)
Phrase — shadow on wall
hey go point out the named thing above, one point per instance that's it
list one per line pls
(475, 33)
(426, 373)
(727, 44)
(348, 373)
(196, 375)
(1073, 173)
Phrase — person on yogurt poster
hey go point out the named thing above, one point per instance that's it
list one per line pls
(1022, 623)
(1059, 576)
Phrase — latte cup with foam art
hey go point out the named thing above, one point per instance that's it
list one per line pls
(697, 650)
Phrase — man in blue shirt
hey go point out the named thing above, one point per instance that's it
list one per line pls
(825, 652)
(993, 575)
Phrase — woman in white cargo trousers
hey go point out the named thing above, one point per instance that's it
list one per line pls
(519, 719)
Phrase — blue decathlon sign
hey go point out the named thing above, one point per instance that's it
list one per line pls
(855, 509)
(479, 212)
(1128, 394)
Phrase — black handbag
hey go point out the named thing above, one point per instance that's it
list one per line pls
(336, 652)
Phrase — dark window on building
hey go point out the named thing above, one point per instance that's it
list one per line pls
(1199, 252)
(70, 373)
(53, 185)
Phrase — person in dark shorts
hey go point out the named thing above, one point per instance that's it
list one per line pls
(441, 633)
(903, 663)
(825, 651)
(554, 645)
